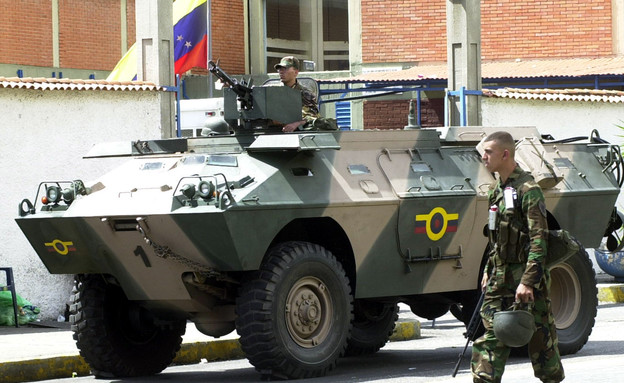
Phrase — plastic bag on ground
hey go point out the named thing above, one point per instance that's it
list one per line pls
(26, 312)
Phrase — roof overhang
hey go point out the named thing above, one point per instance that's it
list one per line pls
(497, 70)
(77, 84)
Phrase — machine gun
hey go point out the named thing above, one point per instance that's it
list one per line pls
(471, 330)
(257, 107)
(243, 90)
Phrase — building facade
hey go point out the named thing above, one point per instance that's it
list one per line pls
(78, 39)
(86, 39)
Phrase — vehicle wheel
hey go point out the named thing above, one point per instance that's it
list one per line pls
(116, 337)
(294, 317)
(574, 298)
(372, 326)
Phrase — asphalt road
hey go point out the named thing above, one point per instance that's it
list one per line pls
(430, 359)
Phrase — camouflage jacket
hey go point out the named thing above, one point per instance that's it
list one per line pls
(309, 109)
(529, 220)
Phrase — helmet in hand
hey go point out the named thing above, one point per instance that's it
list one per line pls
(514, 328)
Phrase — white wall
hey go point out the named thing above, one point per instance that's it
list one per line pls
(45, 133)
(561, 119)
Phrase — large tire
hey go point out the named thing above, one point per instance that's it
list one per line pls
(372, 327)
(574, 297)
(294, 317)
(116, 337)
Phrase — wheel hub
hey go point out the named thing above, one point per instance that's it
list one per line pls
(308, 309)
(565, 294)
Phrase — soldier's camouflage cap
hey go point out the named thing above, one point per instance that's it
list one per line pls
(287, 62)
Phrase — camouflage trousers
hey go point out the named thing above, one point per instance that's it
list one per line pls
(489, 355)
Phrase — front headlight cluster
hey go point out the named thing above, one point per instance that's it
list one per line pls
(215, 189)
(204, 189)
(56, 193)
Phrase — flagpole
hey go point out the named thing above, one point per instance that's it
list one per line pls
(209, 49)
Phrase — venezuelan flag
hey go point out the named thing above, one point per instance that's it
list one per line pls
(126, 68)
(190, 42)
(189, 35)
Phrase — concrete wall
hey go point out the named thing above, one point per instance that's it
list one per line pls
(560, 118)
(45, 133)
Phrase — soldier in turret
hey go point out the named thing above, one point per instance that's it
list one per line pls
(515, 269)
(288, 69)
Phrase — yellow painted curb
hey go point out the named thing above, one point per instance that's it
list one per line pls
(43, 369)
(190, 353)
(405, 330)
(611, 294)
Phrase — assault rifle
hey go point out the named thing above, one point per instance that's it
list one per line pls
(243, 90)
(471, 331)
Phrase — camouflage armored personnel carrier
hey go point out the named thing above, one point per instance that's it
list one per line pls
(304, 243)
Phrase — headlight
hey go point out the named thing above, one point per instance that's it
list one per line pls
(206, 189)
(53, 195)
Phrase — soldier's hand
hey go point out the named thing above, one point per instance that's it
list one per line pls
(524, 293)
(292, 126)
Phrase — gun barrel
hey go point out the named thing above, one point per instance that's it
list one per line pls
(242, 90)
(221, 74)
(475, 320)
(459, 360)
(473, 327)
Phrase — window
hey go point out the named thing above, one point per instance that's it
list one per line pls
(316, 30)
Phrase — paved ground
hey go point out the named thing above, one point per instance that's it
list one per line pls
(48, 351)
(428, 359)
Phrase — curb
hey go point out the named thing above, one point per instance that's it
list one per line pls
(44, 369)
(405, 330)
(190, 353)
(193, 353)
(611, 293)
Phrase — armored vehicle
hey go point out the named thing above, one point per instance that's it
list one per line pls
(304, 242)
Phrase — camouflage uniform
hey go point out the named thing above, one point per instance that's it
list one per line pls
(310, 112)
(514, 261)
(309, 108)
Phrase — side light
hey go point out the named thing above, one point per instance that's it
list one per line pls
(188, 190)
(68, 195)
(206, 189)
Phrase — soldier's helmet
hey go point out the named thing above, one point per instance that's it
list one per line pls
(288, 61)
(514, 328)
(215, 125)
